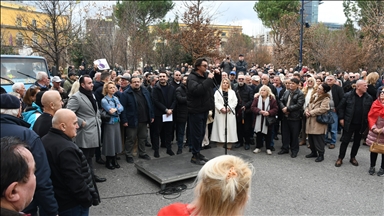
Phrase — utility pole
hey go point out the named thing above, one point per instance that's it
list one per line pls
(301, 34)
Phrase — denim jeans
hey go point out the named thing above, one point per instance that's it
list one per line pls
(332, 128)
(75, 211)
(180, 128)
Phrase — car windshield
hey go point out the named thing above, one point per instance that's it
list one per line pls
(21, 69)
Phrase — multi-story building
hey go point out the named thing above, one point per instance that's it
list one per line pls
(15, 17)
(311, 11)
(333, 26)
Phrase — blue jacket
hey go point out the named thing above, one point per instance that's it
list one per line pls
(129, 102)
(30, 115)
(44, 196)
(107, 103)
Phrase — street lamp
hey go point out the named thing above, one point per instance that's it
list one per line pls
(301, 34)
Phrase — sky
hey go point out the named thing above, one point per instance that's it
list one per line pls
(242, 13)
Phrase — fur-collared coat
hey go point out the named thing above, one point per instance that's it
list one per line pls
(317, 106)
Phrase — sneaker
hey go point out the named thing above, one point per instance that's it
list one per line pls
(202, 157)
(381, 172)
(269, 152)
(256, 150)
(145, 157)
(196, 160)
(371, 170)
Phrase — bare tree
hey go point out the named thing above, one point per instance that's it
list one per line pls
(51, 29)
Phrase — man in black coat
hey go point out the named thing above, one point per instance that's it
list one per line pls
(243, 112)
(265, 81)
(164, 102)
(241, 65)
(291, 104)
(353, 115)
(182, 112)
(72, 179)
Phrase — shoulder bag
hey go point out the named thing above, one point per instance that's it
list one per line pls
(377, 147)
(325, 118)
(270, 120)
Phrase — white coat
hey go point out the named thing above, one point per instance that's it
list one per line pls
(218, 128)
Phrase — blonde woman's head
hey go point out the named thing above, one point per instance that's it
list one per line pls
(265, 91)
(223, 186)
(372, 78)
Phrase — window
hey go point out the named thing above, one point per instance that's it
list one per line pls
(47, 24)
(34, 23)
(223, 34)
(18, 21)
(34, 40)
(19, 39)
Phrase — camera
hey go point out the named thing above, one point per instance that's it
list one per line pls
(227, 58)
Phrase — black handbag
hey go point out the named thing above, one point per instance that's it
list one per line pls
(270, 120)
(325, 118)
(105, 116)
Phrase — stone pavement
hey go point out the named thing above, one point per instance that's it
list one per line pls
(281, 186)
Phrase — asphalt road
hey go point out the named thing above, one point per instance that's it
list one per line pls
(281, 185)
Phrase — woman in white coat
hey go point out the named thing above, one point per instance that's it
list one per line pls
(218, 128)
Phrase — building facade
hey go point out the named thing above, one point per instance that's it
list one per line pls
(311, 11)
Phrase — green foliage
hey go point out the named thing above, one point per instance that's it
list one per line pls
(145, 12)
(271, 11)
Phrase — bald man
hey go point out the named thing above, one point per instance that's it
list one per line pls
(72, 179)
(52, 102)
(353, 115)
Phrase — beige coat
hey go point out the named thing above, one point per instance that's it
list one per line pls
(317, 106)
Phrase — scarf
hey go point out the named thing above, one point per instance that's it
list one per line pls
(260, 125)
(377, 109)
(90, 96)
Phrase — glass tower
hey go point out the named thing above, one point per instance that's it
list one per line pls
(311, 11)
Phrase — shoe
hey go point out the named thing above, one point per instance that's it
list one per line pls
(100, 161)
(257, 150)
(354, 162)
(202, 157)
(129, 159)
(190, 150)
(302, 143)
(99, 179)
(247, 147)
(308, 146)
(276, 138)
(283, 152)
(207, 147)
(238, 145)
(252, 141)
(114, 162)
(293, 154)
(179, 151)
(339, 162)
(108, 163)
(170, 152)
(147, 144)
(381, 172)
(371, 170)
(320, 158)
(331, 146)
(273, 148)
(145, 157)
(269, 152)
(118, 158)
(196, 160)
(312, 155)
(156, 154)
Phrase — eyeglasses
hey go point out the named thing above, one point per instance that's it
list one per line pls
(382, 92)
(240, 78)
(352, 77)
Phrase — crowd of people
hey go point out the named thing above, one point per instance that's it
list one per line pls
(65, 122)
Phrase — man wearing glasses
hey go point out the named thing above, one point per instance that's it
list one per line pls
(199, 101)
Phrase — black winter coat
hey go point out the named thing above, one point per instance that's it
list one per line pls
(295, 108)
(98, 92)
(181, 99)
(244, 97)
(347, 109)
(71, 176)
(199, 93)
(337, 95)
(160, 104)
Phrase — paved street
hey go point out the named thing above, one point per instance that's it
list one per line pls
(281, 186)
